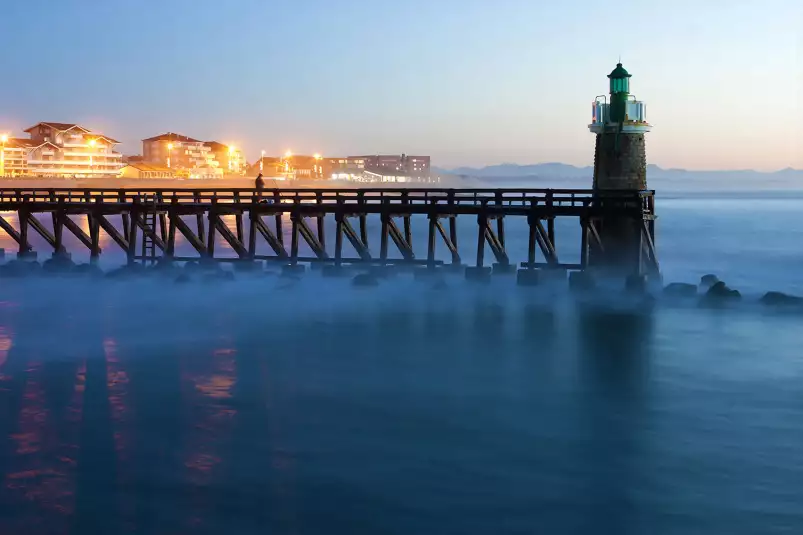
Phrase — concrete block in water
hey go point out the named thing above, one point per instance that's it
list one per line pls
(548, 274)
(528, 277)
(503, 269)
(581, 281)
(27, 256)
(478, 274)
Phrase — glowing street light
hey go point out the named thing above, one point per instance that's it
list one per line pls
(288, 154)
(262, 162)
(92, 143)
(3, 141)
(231, 155)
(169, 150)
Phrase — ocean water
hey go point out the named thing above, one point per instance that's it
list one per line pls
(268, 405)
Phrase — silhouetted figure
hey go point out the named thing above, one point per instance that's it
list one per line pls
(260, 185)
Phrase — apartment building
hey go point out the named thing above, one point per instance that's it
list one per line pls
(356, 167)
(60, 150)
(413, 166)
(14, 156)
(185, 155)
(229, 158)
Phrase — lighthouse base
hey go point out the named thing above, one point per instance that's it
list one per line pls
(620, 161)
(619, 250)
(620, 168)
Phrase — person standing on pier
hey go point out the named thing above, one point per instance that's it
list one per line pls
(260, 185)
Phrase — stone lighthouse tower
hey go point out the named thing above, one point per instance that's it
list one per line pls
(620, 167)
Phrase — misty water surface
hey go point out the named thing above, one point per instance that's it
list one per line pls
(310, 406)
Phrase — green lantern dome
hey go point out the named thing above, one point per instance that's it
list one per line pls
(619, 72)
(620, 80)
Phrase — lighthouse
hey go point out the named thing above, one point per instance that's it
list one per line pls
(619, 121)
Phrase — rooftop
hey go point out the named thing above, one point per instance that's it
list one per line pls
(57, 126)
(173, 137)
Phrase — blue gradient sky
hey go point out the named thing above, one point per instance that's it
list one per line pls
(471, 82)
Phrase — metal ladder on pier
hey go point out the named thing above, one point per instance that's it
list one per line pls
(149, 218)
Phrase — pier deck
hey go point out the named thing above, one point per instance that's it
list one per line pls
(151, 219)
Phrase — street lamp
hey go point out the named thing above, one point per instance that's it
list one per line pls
(318, 169)
(231, 155)
(92, 143)
(169, 150)
(3, 140)
(262, 162)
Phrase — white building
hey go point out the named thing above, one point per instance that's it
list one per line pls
(62, 150)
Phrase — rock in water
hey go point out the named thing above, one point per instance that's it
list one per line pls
(781, 299)
(709, 280)
(365, 279)
(680, 289)
(720, 292)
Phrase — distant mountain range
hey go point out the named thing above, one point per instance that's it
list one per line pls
(559, 174)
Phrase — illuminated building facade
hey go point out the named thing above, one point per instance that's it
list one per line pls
(187, 156)
(60, 150)
(228, 157)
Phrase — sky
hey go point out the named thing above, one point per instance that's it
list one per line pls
(469, 82)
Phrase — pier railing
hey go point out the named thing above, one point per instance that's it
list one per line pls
(158, 214)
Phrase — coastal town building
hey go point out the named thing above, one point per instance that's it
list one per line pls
(14, 156)
(146, 170)
(268, 166)
(60, 150)
(228, 157)
(290, 167)
(378, 168)
(186, 156)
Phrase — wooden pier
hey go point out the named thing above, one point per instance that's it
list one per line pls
(151, 220)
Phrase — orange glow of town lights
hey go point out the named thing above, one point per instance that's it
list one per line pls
(4, 138)
(317, 156)
(288, 154)
(169, 146)
(93, 142)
